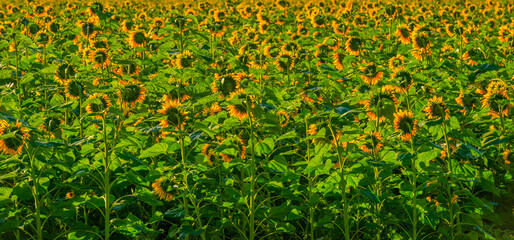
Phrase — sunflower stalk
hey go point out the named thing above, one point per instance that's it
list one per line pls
(252, 173)
(37, 201)
(342, 184)
(453, 216)
(106, 184)
(414, 180)
(185, 202)
(311, 187)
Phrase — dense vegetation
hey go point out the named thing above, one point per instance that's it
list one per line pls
(256, 120)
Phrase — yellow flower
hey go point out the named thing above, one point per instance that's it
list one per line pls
(405, 123)
(165, 188)
(104, 104)
(436, 108)
(14, 144)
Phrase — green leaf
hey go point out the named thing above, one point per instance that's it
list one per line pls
(155, 150)
(265, 147)
(424, 158)
(5, 192)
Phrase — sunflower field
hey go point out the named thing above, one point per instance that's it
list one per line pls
(250, 119)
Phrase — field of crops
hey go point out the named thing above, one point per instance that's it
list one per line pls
(256, 120)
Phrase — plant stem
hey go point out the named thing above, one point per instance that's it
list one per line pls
(107, 184)
(450, 180)
(415, 192)
(342, 184)
(252, 172)
(311, 210)
(37, 201)
(185, 203)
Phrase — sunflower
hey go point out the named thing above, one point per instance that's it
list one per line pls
(126, 26)
(102, 106)
(353, 45)
(88, 30)
(42, 39)
(238, 110)
(130, 93)
(52, 125)
(212, 110)
(64, 73)
(405, 123)
(505, 34)
(302, 31)
(137, 38)
(14, 144)
(508, 156)
(259, 62)
(130, 69)
(338, 58)
(224, 84)
(421, 41)
(372, 143)
(283, 118)
(184, 60)
(340, 28)
(99, 44)
(397, 63)
(100, 58)
(371, 75)
(54, 27)
(317, 20)
(467, 100)
(403, 33)
(284, 62)
(436, 108)
(208, 152)
(175, 115)
(403, 78)
(74, 89)
(494, 99)
(219, 15)
(165, 188)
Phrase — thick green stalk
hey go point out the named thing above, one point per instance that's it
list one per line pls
(107, 185)
(415, 193)
(311, 209)
(37, 201)
(342, 185)
(252, 172)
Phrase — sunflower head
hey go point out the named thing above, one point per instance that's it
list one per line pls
(468, 100)
(131, 93)
(508, 156)
(99, 57)
(165, 188)
(284, 62)
(421, 41)
(403, 78)
(174, 114)
(101, 105)
(74, 89)
(137, 38)
(405, 123)
(372, 143)
(64, 73)
(436, 109)
(14, 144)
(88, 30)
(498, 102)
(353, 45)
(225, 84)
(184, 60)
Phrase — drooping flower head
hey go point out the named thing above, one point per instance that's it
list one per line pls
(14, 144)
(405, 123)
